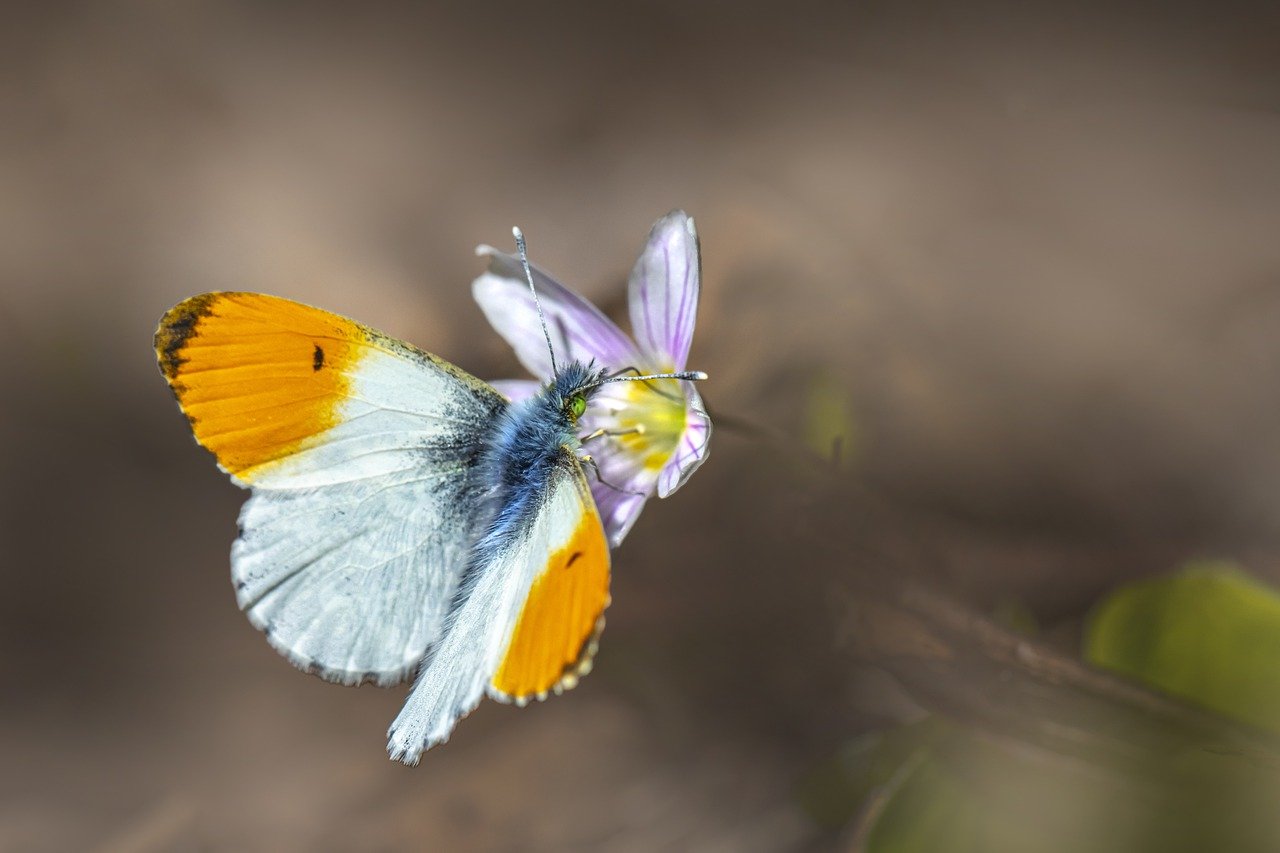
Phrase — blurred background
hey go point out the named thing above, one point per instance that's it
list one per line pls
(990, 306)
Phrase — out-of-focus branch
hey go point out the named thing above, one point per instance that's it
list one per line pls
(966, 667)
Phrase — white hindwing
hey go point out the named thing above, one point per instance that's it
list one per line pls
(350, 550)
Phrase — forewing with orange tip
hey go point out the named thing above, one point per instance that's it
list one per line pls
(361, 453)
(265, 380)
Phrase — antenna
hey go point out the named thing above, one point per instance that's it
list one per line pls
(687, 375)
(528, 276)
(690, 375)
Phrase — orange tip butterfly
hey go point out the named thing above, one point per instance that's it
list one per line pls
(404, 516)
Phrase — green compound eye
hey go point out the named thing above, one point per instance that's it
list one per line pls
(577, 405)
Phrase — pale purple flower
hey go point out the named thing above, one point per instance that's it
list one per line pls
(659, 429)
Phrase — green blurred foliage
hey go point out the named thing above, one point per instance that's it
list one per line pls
(931, 786)
(930, 812)
(1209, 634)
(829, 428)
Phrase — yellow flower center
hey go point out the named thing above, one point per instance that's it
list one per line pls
(651, 420)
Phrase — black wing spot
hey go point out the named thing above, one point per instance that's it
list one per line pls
(317, 358)
(573, 559)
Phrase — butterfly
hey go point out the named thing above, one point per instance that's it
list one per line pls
(405, 517)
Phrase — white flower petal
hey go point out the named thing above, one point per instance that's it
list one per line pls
(578, 330)
(516, 390)
(664, 288)
(618, 511)
(691, 451)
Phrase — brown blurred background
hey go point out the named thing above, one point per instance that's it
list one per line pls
(1030, 251)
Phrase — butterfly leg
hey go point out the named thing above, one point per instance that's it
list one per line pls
(638, 429)
(590, 461)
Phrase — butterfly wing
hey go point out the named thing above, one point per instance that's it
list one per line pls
(360, 451)
(526, 621)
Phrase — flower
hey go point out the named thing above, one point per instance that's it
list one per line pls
(656, 433)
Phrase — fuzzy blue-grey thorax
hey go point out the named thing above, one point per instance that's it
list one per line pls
(528, 441)
(531, 436)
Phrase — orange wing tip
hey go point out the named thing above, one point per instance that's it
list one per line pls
(178, 326)
(259, 377)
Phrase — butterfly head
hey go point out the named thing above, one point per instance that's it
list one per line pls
(573, 387)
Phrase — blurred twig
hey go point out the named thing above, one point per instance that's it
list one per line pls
(961, 664)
